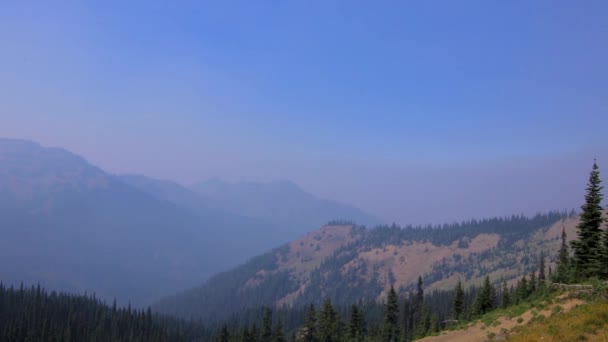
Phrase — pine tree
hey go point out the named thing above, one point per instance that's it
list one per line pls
(541, 270)
(391, 316)
(563, 271)
(277, 334)
(309, 331)
(362, 325)
(418, 305)
(406, 323)
(356, 325)
(458, 305)
(434, 325)
(506, 298)
(328, 323)
(422, 328)
(267, 325)
(587, 251)
(532, 284)
(485, 299)
(420, 292)
(522, 289)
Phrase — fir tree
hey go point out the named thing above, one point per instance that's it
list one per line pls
(541, 270)
(532, 284)
(418, 305)
(277, 334)
(458, 305)
(356, 325)
(434, 325)
(328, 323)
(391, 316)
(406, 323)
(563, 271)
(587, 253)
(506, 297)
(267, 325)
(309, 331)
(522, 289)
(485, 299)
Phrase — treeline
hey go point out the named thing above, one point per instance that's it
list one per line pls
(33, 314)
(510, 229)
(411, 316)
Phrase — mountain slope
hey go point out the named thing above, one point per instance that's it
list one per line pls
(347, 263)
(240, 236)
(70, 226)
(280, 203)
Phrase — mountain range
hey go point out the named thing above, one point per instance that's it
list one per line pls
(69, 225)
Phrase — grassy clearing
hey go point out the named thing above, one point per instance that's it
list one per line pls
(583, 323)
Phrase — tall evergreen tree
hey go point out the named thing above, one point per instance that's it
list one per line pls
(587, 251)
(418, 305)
(541, 270)
(267, 325)
(506, 296)
(458, 305)
(485, 299)
(420, 292)
(522, 289)
(532, 284)
(277, 334)
(406, 323)
(563, 271)
(391, 316)
(356, 324)
(309, 331)
(329, 323)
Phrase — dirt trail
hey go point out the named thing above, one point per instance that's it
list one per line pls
(479, 332)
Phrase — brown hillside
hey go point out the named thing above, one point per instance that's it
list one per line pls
(401, 264)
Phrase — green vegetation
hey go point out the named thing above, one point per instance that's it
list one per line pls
(580, 324)
(32, 314)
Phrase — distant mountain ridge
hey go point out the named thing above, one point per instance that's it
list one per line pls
(71, 226)
(282, 203)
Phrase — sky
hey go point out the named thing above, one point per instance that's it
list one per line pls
(416, 111)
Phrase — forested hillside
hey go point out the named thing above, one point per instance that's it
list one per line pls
(33, 314)
(348, 263)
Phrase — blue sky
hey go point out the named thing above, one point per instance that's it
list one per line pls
(388, 104)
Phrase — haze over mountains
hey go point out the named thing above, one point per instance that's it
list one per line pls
(69, 225)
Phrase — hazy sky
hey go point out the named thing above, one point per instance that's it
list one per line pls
(425, 111)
